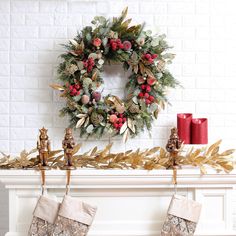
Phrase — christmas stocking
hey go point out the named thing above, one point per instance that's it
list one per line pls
(74, 218)
(44, 216)
(182, 218)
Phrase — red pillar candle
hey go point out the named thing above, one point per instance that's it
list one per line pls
(199, 130)
(184, 127)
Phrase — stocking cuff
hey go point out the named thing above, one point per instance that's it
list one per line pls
(77, 210)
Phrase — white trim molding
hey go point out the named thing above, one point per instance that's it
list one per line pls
(130, 202)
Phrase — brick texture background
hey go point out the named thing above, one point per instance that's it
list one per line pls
(203, 35)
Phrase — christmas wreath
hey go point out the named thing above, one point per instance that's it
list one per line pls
(114, 41)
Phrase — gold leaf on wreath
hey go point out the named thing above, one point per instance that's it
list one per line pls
(86, 121)
(130, 124)
(115, 102)
(135, 69)
(142, 68)
(149, 73)
(57, 87)
(126, 135)
(95, 75)
(123, 127)
(124, 13)
(126, 23)
(80, 122)
(156, 112)
(74, 43)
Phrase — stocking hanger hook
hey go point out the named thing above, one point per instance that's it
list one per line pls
(68, 178)
(43, 178)
(173, 146)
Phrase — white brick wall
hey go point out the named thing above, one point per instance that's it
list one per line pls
(203, 35)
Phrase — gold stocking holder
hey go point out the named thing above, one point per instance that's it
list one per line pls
(173, 146)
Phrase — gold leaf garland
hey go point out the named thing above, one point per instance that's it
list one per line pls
(148, 159)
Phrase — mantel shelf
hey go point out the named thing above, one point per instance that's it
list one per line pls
(90, 178)
(130, 202)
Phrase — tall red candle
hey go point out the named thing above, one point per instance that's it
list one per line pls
(199, 130)
(184, 127)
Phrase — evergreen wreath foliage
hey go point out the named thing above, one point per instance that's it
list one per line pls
(114, 41)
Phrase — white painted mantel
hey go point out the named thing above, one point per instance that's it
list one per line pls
(130, 202)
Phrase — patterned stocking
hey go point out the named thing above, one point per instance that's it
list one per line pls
(182, 217)
(74, 218)
(44, 217)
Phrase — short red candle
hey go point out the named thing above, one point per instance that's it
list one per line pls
(199, 130)
(184, 127)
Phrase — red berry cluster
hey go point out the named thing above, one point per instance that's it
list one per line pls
(116, 44)
(119, 121)
(149, 57)
(89, 64)
(145, 94)
(74, 89)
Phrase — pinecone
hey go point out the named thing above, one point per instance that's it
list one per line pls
(96, 118)
(134, 108)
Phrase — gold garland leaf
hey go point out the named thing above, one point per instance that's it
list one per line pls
(148, 159)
